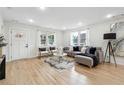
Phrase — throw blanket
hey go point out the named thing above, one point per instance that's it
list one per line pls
(95, 60)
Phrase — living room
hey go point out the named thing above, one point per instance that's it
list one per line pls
(52, 41)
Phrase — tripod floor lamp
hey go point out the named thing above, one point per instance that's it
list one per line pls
(109, 49)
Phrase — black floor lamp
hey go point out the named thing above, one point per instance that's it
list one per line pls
(109, 37)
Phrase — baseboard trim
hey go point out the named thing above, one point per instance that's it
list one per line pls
(22, 59)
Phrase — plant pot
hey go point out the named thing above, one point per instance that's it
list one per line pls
(0, 51)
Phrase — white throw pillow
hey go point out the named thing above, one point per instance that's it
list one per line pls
(83, 49)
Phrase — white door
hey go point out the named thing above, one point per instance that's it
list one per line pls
(32, 50)
(19, 44)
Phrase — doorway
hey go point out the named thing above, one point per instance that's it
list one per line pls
(23, 44)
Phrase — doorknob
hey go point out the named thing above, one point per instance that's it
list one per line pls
(26, 46)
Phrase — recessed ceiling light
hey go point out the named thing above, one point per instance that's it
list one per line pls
(79, 23)
(42, 8)
(31, 21)
(109, 15)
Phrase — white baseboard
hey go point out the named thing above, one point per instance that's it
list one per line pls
(22, 59)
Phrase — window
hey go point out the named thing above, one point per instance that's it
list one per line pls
(74, 38)
(79, 38)
(46, 39)
(83, 38)
(43, 39)
(51, 39)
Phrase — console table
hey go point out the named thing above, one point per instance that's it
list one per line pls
(2, 67)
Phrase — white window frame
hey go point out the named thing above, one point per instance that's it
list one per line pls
(72, 39)
(54, 40)
(79, 32)
(85, 31)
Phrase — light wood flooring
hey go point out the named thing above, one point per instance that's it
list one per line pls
(35, 71)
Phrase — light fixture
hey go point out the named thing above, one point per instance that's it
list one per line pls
(109, 16)
(42, 8)
(31, 20)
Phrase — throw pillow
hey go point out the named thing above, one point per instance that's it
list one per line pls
(83, 49)
(42, 49)
(92, 50)
(52, 48)
(76, 48)
(87, 51)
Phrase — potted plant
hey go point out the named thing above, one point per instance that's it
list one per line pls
(2, 43)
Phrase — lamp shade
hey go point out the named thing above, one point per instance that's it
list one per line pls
(109, 36)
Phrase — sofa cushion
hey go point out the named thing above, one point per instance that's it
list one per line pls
(42, 49)
(76, 48)
(92, 50)
(87, 51)
(95, 60)
(65, 48)
(77, 52)
(52, 48)
(83, 49)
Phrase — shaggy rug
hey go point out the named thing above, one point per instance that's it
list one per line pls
(60, 63)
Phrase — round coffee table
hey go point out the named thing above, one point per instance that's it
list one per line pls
(60, 56)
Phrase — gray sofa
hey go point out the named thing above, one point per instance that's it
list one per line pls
(86, 60)
(72, 53)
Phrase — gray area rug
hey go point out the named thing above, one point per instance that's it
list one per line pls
(60, 63)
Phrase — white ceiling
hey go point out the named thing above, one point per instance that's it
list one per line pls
(59, 17)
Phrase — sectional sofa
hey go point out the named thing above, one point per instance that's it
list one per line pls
(89, 56)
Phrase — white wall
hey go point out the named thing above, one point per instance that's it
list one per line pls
(58, 37)
(96, 32)
(8, 26)
(1, 24)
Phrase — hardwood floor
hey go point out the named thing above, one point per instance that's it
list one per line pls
(35, 71)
